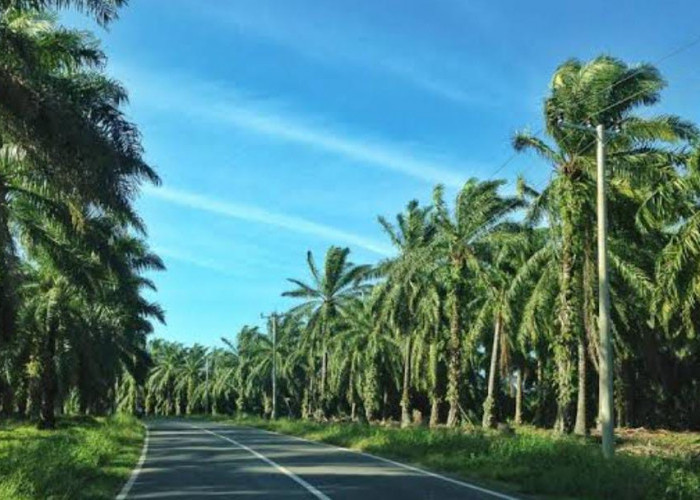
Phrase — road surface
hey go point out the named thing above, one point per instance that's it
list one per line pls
(202, 460)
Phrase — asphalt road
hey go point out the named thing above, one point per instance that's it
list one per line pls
(199, 460)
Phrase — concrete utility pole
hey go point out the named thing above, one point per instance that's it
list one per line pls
(605, 380)
(273, 319)
(206, 381)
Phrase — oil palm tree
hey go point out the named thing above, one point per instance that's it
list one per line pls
(64, 142)
(190, 375)
(361, 351)
(103, 11)
(429, 347)
(405, 281)
(507, 251)
(602, 91)
(161, 396)
(324, 299)
(461, 242)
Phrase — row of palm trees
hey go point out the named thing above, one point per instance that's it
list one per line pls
(73, 316)
(488, 310)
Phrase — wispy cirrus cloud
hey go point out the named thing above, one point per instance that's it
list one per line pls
(336, 36)
(188, 258)
(259, 215)
(213, 102)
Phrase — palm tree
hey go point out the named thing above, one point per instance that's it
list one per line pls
(606, 91)
(405, 283)
(324, 300)
(103, 11)
(430, 342)
(221, 390)
(361, 351)
(64, 142)
(161, 395)
(672, 208)
(51, 308)
(190, 375)
(507, 253)
(461, 243)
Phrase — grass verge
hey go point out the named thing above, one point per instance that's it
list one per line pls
(531, 462)
(84, 458)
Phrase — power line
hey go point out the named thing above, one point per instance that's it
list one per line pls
(668, 55)
(538, 187)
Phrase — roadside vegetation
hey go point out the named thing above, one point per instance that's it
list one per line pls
(530, 461)
(84, 457)
(73, 256)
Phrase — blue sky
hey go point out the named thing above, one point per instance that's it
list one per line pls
(283, 126)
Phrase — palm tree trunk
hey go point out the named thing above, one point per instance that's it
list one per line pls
(352, 400)
(434, 397)
(49, 386)
(370, 390)
(305, 404)
(385, 405)
(489, 403)
(581, 427)
(539, 412)
(563, 341)
(312, 387)
(453, 363)
(584, 341)
(405, 396)
(7, 304)
(518, 419)
(190, 403)
(7, 399)
(324, 370)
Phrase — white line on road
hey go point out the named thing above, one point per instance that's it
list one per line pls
(425, 472)
(135, 473)
(277, 466)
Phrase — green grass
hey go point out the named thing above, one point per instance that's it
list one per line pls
(84, 458)
(531, 462)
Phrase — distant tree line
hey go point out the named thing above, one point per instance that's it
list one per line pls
(488, 310)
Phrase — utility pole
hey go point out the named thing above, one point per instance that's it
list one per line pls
(273, 319)
(206, 383)
(605, 380)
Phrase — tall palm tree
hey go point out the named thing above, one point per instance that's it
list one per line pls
(52, 308)
(324, 300)
(429, 348)
(361, 351)
(65, 147)
(507, 253)
(603, 91)
(406, 281)
(190, 375)
(461, 242)
(161, 395)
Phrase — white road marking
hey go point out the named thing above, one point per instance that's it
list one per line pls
(399, 464)
(277, 466)
(135, 473)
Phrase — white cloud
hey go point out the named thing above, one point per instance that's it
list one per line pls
(262, 216)
(366, 151)
(213, 102)
(324, 35)
(179, 255)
